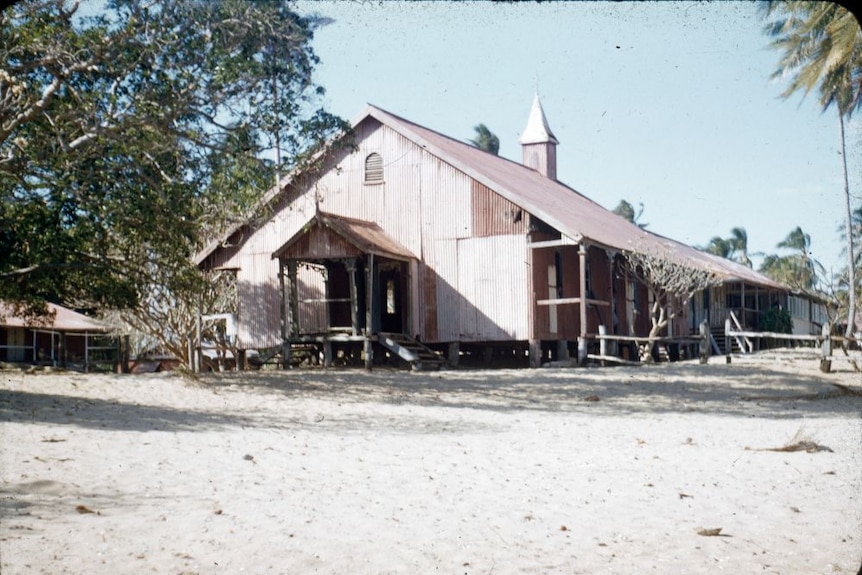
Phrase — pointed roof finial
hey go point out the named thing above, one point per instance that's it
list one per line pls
(537, 130)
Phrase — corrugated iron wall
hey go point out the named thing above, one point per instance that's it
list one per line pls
(492, 284)
(311, 289)
(475, 288)
(258, 313)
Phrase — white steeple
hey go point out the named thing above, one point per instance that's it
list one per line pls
(538, 143)
(537, 130)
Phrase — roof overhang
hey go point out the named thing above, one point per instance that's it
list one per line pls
(58, 319)
(330, 237)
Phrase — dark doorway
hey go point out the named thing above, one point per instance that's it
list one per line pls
(338, 285)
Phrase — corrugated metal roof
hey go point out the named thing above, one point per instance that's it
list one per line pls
(368, 237)
(571, 213)
(61, 319)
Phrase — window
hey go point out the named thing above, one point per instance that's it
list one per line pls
(374, 169)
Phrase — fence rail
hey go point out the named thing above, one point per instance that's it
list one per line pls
(824, 341)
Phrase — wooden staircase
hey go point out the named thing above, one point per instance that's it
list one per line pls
(718, 336)
(419, 356)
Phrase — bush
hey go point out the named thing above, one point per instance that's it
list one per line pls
(777, 320)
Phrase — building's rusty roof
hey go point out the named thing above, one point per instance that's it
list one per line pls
(560, 206)
(366, 237)
(58, 319)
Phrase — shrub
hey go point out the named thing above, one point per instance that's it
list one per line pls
(776, 319)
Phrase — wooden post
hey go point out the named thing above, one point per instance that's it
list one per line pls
(61, 349)
(826, 348)
(603, 343)
(327, 353)
(282, 312)
(86, 352)
(119, 349)
(563, 350)
(291, 312)
(535, 353)
(704, 342)
(582, 289)
(369, 353)
(196, 359)
(454, 353)
(369, 312)
(727, 341)
(125, 355)
(354, 300)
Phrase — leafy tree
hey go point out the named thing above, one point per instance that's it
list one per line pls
(719, 246)
(739, 244)
(128, 138)
(626, 210)
(733, 248)
(798, 269)
(671, 283)
(776, 319)
(821, 44)
(485, 139)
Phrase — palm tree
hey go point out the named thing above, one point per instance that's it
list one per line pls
(797, 270)
(486, 140)
(822, 49)
(627, 211)
(738, 241)
(719, 246)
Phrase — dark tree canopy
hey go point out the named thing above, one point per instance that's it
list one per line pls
(129, 137)
(486, 139)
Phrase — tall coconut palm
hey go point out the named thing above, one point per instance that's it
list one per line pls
(738, 241)
(822, 50)
(798, 269)
(719, 246)
(627, 210)
(486, 139)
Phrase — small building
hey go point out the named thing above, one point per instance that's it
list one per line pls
(403, 234)
(62, 338)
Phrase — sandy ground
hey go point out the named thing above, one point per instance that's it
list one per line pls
(611, 470)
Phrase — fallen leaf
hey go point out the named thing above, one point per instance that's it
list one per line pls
(710, 532)
(591, 398)
(684, 495)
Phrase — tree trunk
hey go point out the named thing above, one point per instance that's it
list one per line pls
(851, 272)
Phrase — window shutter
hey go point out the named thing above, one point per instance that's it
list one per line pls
(374, 169)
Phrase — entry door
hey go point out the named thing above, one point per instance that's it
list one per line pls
(392, 301)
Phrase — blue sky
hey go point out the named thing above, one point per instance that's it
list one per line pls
(668, 104)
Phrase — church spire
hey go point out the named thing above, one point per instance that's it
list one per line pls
(538, 143)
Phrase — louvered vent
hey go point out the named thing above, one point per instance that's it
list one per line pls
(374, 169)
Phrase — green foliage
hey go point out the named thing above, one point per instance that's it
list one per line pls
(821, 45)
(733, 248)
(797, 270)
(777, 320)
(486, 140)
(626, 210)
(128, 139)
